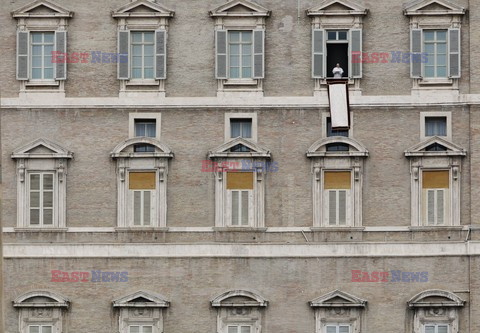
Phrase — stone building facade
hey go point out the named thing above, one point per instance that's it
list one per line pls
(170, 166)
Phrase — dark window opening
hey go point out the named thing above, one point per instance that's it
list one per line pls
(143, 148)
(241, 127)
(337, 53)
(331, 132)
(148, 128)
(436, 147)
(435, 126)
(240, 149)
(337, 147)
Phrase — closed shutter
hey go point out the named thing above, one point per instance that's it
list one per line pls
(61, 46)
(221, 54)
(160, 54)
(355, 48)
(416, 50)
(259, 54)
(342, 207)
(23, 38)
(440, 201)
(331, 329)
(429, 329)
(431, 207)
(454, 53)
(318, 53)
(344, 329)
(235, 210)
(332, 207)
(442, 329)
(123, 51)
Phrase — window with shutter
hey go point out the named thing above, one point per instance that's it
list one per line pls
(142, 186)
(41, 199)
(337, 186)
(436, 197)
(42, 46)
(240, 198)
(142, 45)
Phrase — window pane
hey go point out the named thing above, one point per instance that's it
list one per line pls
(234, 129)
(151, 129)
(441, 35)
(235, 210)
(48, 182)
(149, 61)
(146, 207)
(47, 61)
(137, 204)
(442, 329)
(429, 35)
(47, 216)
(148, 74)
(48, 199)
(36, 61)
(245, 207)
(147, 329)
(36, 37)
(137, 61)
(430, 49)
(35, 216)
(429, 71)
(234, 73)
(342, 35)
(442, 71)
(246, 61)
(234, 36)
(137, 73)
(139, 129)
(247, 72)
(46, 329)
(234, 60)
(247, 130)
(148, 51)
(234, 49)
(247, 49)
(34, 329)
(442, 48)
(441, 60)
(332, 35)
(48, 37)
(35, 182)
(134, 329)
(246, 36)
(429, 329)
(440, 206)
(344, 329)
(48, 74)
(245, 329)
(136, 37)
(331, 329)
(148, 37)
(137, 50)
(34, 199)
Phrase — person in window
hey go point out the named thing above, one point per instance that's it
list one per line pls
(337, 72)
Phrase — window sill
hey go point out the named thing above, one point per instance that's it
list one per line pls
(240, 82)
(437, 228)
(42, 83)
(41, 229)
(242, 228)
(431, 82)
(337, 228)
(143, 82)
(141, 229)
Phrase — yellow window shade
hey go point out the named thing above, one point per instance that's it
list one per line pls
(240, 180)
(141, 181)
(336, 180)
(435, 179)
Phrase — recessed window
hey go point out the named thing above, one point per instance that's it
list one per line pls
(435, 126)
(239, 329)
(42, 46)
(345, 328)
(336, 146)
(436, 328)
(435, 47)
(147, 128)
(240, 198)
(41, 199)
(436, 197)
(337, 51)
(140, 329)
(337, 188)
(40, 329)
(142, 45)
(240, 54)
(142, 186)
(241, 127)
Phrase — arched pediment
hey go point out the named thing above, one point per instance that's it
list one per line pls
(142, 298)
(42, 148)
(41, 298)
(142, 8)
(435, 298)
(122, 149)
(319, 147)
(447, 148)
(240, 8)
(338, 298)
(42, 9)
(240, 298)
(251, 149)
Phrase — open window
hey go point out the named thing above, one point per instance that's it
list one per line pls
(142, 47)
(41, 45)
(142, 182)
(434, 311)
(41, 312)
(141, 312)
(240, 190)
(337, 181)
(435, 168)
(337, 39)
(435, 43)
(239, 311)
(339, 312)
(240, 46)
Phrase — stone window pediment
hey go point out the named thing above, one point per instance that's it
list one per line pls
(337, 7)
(42, 9)
(421, 149)
(240, 8)
(142, 183)
(142, 9)
(225, 150)
(432, 7)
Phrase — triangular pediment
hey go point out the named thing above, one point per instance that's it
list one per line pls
(42, 148)
(435, 298)
(143, 298)
(142, 8)
(240, 8)
(42, 8)
(232, 149)
(337, 7)
(432, 7)
(444, 148)
(338, 298)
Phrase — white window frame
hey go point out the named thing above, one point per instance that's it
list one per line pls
(132, 116)
(424, 115)
(435, 42)
(240, 43)
(337, 326)
(154, 202)
(30, 65)
(41, 191)
(40, 327)
(143, 44)
(435, 325)
(447, 201)
(240, 115)
(239, 327)
(141, 326)
(326, 207)
(229, 208)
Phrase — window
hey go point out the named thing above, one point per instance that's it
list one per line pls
(239, 329)
(435, 126)
(240, 54)
(337, 185)
(148, 128)
(41, 184)
(340, 328)
(240, 198)
(436, 328)
(142, 186)
(142, 44)
(40, 329)
(337, 51)
(242, 125)
(140, 329)
(435, 49)
(41, 187)
(42, 46)
(436, 197)
(330, 132)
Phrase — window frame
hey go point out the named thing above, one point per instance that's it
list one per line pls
(435, 42)
(349, 201)
(447, 200)
(337, 326)
(41, 191)
(241, 115)
(30, 52)
(133, 116)
(133, 80)
(436, 325)
(240, 78)
(154, 201)
(435, 114)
